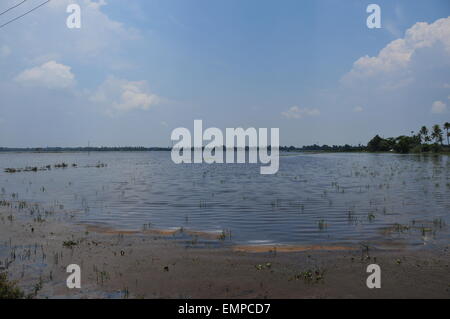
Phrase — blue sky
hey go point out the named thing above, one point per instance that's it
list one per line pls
(138, 69)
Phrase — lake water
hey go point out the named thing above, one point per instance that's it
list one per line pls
(387, 199)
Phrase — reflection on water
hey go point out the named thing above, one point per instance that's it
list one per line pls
(314, 198)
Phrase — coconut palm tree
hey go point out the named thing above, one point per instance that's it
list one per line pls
(447, 127)
(424, 134)
(437, 134)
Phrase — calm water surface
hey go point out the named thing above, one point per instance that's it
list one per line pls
(315, 198)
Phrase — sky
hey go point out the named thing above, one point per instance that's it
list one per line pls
(137, 69)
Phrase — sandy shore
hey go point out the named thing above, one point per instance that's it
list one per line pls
(36, 247)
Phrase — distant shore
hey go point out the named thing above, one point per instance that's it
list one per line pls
(287, 149)
(80, 149)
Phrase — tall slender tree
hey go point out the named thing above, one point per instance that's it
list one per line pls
(437, 134)
(424, 134)
(447, 127)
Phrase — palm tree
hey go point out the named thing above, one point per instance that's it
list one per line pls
(437, 134)
(447, 127)
(424, 134)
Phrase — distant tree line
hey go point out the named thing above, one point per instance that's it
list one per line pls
(324, 148)
(423, 141)
(85, 149)
(315, 147)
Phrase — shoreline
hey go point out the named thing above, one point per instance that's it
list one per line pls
(36, 251)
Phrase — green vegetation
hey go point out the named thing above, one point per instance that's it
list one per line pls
(310, 276)
(401, 144)
(422, 142)
(324, 148)
(9, 290)
(69, 244)
(49, 167)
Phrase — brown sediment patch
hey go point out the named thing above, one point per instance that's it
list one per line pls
(394, 229)
(162, 232)
(155, 231)
(424, 226)
(391, 245)
(111, 231)
(205, 234)
(287, 248)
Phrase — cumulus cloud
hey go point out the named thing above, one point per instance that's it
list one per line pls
(296, 112)
(51, 75)
(399, 63)
(100, 40)
(438, 107)
(123, 95)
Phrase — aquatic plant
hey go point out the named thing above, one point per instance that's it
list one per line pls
(224, 234)
(37, 287)
(438, 222)
(69, 244)
(263, 266)
(11, 170)
(310, 276)
(8, 289)
(322, 224)
(125, 293)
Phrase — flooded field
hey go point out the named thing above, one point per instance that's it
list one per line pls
(385, 200)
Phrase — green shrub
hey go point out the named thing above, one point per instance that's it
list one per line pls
(435, 148)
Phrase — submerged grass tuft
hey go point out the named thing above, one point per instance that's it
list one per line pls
(8, 289)
(69, 244)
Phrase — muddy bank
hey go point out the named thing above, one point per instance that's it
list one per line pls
(36, 247)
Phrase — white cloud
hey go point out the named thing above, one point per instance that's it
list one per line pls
(97, 5)
(51, 75)
(123, 95)
(296, 112)
(100, 40)
(438, 107)
(392, 28)
(358, 109)
(394, 66)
